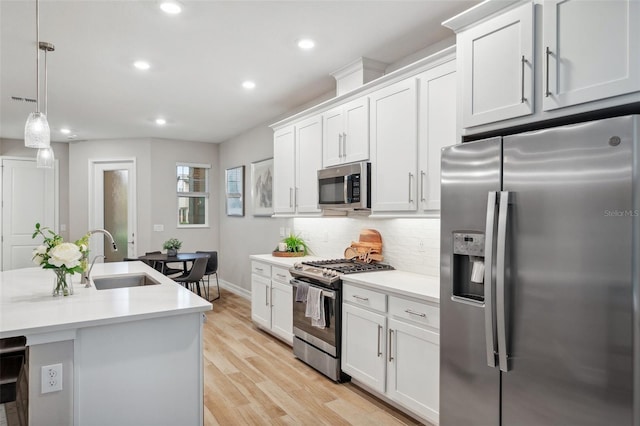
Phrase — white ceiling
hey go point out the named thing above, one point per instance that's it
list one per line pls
(198, 60)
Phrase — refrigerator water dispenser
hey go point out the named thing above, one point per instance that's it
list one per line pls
(468, 265)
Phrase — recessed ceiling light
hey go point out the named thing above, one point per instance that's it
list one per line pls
(161, 121)
(65, 131)
(72, 136)
(171, 7)
(142, 65)
(249, 85)
(306, 44)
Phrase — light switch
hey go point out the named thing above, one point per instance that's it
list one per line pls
(158, 228)
(63, 227)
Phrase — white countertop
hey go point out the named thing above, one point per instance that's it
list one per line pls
(27, 306)
(423, 287)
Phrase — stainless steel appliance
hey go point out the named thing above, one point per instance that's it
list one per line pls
(345, 187)
(545, 336)
(320, 347)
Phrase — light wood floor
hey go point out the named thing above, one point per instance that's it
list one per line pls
(252, 378)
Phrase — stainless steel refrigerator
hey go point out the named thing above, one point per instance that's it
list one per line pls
(539, 277)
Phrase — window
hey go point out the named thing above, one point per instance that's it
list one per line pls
(193, 194)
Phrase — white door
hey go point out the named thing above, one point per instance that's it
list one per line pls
(281, 312)
(436, 128)
(332, 128)
(260, 303)
(413, 369)
(284, 170)
(355, 140)
(497, 68)
(395, 147)
(593, 50)
(113, 207)
(29, 196)
(308, 161)
(363, 346)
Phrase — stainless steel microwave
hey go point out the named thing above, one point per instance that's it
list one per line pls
(345, 187)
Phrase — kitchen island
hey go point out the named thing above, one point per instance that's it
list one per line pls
(129, 355)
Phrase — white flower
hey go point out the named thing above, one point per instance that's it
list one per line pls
(38, 254)
(37, 259)
(65, 254)
(41, 249)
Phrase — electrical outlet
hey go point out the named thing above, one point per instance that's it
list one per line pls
(51, 378)
(158, 228)
(420, 246)
(282, 231)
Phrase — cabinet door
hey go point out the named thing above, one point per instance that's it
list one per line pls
(497, 68)
(436, 128)
(413, 369)
(395, 145)
(308, 161)
(332, 129)
(591, 50)
(282, 311)
(363, 346)
(260, 303)
(284, 170)
(355, 139)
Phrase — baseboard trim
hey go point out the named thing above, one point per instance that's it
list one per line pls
(244, 293)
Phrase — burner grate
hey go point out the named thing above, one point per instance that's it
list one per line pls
(348, 266)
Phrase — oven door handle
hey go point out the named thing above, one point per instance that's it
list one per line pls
(325, 293)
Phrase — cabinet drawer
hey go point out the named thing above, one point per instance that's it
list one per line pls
(418, 312)
(280, 274)
(260, 268)
(365, 297)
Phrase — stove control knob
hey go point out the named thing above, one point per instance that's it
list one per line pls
(297, 266)
(324, 272)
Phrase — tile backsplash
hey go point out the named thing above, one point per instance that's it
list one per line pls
(411, 245)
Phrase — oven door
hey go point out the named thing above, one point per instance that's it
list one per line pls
(322, 338)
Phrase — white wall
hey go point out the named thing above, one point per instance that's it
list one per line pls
(156, 188)
(243, 236)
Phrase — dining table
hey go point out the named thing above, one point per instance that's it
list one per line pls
(164, 258)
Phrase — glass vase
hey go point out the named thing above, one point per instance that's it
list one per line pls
(62, 285)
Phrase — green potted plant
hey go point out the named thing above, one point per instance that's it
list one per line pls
(293, 245)
(172, 245)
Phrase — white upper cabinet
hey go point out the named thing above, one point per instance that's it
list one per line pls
(308, 161)
(394, 143)
(497, 68)
(346, 133)
(591, 50)
(284, 170)
(436, 128)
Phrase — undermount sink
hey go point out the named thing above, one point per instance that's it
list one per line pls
(123, 281)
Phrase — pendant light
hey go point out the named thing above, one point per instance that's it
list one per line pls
(45, 158)
(36, 129)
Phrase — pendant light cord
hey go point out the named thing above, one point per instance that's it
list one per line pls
(37, 58)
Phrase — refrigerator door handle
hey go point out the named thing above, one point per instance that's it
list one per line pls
(500, 282)
(489, 312)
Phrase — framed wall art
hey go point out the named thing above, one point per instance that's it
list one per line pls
(234, 191)
(262, 187)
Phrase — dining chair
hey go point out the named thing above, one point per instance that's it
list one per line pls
(212, 269)
(162, 267)
(195, 275)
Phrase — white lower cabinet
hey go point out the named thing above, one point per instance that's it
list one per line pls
(394, 351)
(271, 299)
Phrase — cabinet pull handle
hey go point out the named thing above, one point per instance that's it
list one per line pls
(412, 312)
(259, 269)
(281, 276)
(296, 197)
(389, 344)
(522, 98)
(340, 145)
(344, 144)
(290, 197)
(410, 179)
(379, 338)
(547, 93)
(360, 297)
(266, 296)
(422, 176)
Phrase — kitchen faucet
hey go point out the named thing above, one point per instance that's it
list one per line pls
(90, 268)
(85, 277)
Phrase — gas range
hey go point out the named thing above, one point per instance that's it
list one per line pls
(329, 272)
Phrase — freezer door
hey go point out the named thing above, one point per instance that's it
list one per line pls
(469, 388)
(568, 280)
